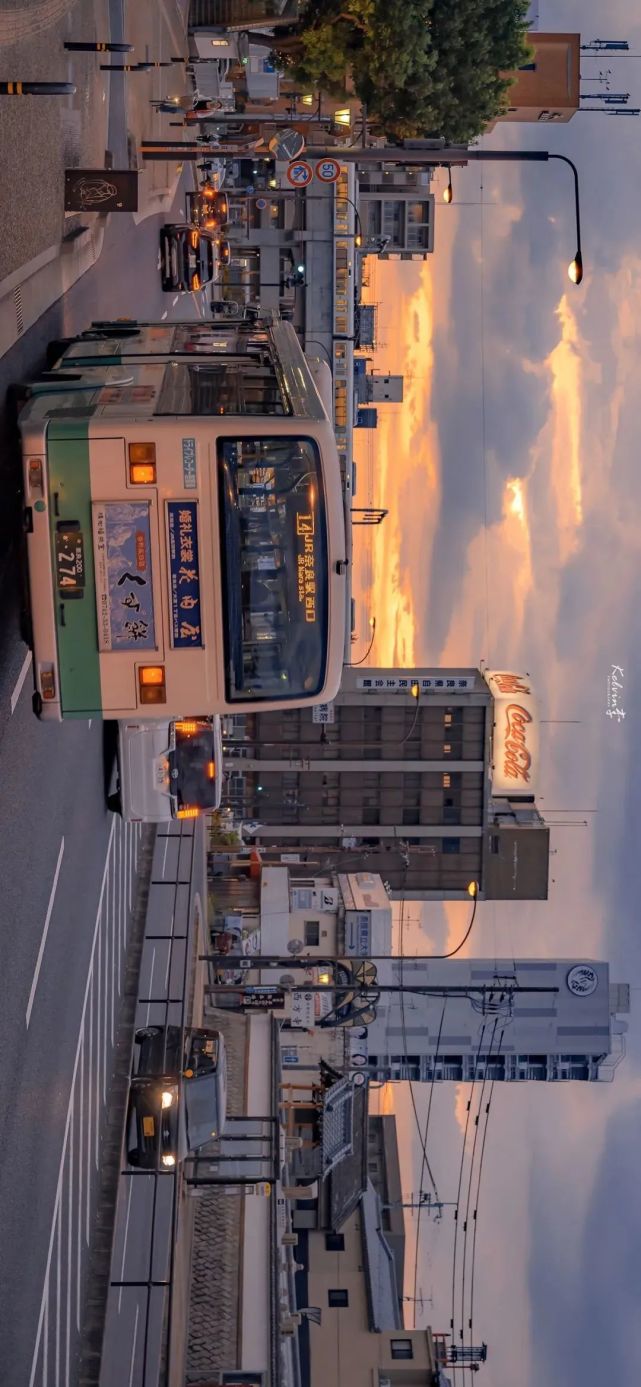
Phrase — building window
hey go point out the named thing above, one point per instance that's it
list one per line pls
(337, 1300)
(312, 933)
(402, 1348)
(451, 845)
(446, 780)
(334, 1242)
(447, 748)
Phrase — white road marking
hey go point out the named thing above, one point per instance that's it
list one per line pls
(164, 315)
(26, 664)
(45, 931)
(175, 301)
(133, 1346)
(124, 1242)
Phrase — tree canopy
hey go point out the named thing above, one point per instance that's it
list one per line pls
(421, 67)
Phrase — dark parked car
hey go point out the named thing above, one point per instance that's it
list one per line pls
(178, 1095)
(187, 258)
(208, 208)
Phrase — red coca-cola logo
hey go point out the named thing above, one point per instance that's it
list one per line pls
(510, 684)
(516, 757)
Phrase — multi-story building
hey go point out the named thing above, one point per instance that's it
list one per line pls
(397, 209)
(547, 88)
(425, 777)
(503, 1019)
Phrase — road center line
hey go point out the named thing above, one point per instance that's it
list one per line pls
(45, 931)
(20, 681)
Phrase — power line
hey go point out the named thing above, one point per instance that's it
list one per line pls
(460, 1176)
(469, 1188)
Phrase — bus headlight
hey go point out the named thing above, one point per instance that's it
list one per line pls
(151, 684)
(142, 464)
(168, 1161)
(166, 1098)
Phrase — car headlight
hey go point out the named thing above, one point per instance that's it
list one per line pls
(168, 1161)
(167, 1098)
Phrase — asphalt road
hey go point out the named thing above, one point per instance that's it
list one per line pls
(67, 871)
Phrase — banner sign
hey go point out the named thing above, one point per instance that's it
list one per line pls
(124, 591)
(186, 627)
(515, 737)
(427, 683)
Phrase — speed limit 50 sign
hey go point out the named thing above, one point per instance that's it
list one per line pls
(328, 170)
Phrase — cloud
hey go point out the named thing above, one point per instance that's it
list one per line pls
(586, 1242)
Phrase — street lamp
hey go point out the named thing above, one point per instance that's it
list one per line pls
(358, 234)
(415, 691)
(451, 156)
(351, 664)
(448, 193)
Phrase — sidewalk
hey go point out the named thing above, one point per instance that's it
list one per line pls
(44, 250)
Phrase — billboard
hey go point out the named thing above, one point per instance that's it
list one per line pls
(515, 735)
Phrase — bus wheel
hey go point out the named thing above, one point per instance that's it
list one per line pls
(114, 802)
(36, 703)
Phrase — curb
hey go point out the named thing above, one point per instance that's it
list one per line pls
(29, 292)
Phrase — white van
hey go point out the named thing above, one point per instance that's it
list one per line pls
(168, 770)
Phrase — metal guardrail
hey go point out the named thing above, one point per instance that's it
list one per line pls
(136, 1347)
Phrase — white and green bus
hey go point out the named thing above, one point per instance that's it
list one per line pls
(185, 524)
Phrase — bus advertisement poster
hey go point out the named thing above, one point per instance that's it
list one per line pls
(124, 587)
(186, 625)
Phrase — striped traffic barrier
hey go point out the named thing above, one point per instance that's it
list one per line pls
(37, 89)
(100, 47)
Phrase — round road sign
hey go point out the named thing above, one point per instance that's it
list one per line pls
(328, 170)
(299, 173)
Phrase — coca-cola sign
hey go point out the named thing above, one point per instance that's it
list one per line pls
(515, 734)
(516, 757)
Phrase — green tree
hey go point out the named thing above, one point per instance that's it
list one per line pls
(422, 67)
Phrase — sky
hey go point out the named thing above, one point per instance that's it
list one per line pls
(512, 478)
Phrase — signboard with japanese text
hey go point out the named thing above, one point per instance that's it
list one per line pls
(323, 713)
(262, 998)
(427, 683)
(190, 480)
(306, 563)
(124, 591)
(186, 624)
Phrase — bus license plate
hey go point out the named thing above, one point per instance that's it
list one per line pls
(148, 1126)
(70, 562)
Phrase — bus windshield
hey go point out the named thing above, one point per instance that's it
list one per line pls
(275, 567)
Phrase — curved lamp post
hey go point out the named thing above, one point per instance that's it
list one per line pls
(358, 234)
(575, 268)
(416, 693)
(351, 664)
